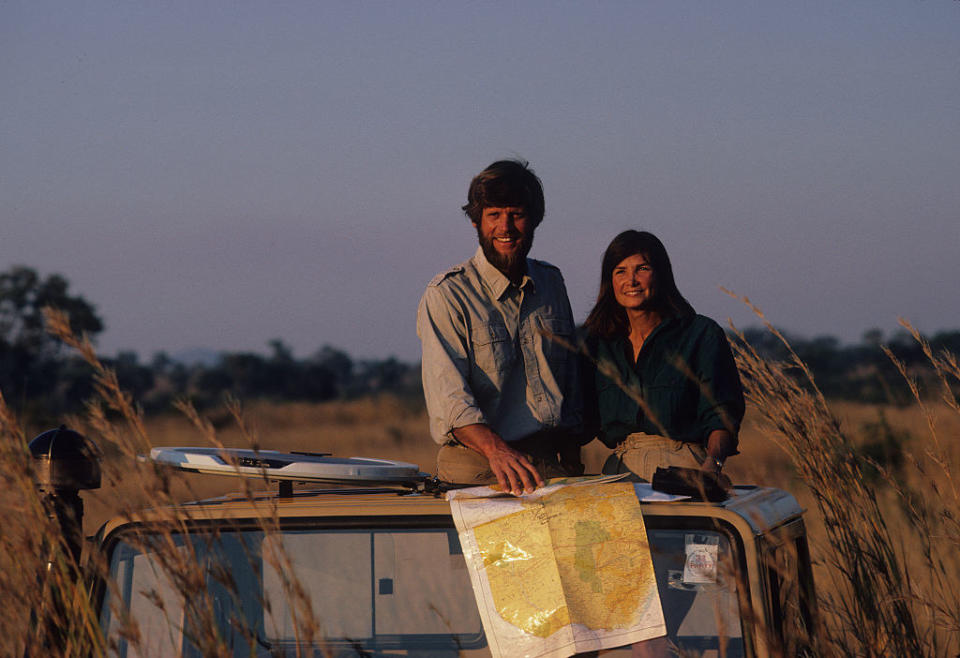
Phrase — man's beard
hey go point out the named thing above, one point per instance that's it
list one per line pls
(512, 264)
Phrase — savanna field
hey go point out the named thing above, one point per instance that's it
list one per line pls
(391, 428)
(877, 481)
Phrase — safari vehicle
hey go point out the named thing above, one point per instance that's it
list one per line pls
(370, 551)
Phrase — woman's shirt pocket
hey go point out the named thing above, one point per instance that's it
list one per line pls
(616, 408)
(671, 398)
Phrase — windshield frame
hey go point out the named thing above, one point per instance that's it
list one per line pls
(655, 521)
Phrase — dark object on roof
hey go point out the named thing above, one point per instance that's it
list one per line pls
(689, 482)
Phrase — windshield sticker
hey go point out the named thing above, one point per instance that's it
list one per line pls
(700, 565)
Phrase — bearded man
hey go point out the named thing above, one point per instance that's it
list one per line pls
(500, 381)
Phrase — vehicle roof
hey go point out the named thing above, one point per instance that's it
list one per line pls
(759, 508)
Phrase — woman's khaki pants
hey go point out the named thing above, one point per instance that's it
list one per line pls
(641, 454)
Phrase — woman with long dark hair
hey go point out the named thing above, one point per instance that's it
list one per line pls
(661, 388)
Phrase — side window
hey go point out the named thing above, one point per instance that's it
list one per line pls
(791, 621)
(145, 593)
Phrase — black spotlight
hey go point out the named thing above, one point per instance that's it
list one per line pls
(66, 462)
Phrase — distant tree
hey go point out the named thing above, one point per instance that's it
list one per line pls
(905, 347)
(133, 377)
(24, 295)
(387, 375)
(281, 352)
(34, 376)
(278, 377)
(873, 337)
(338, 363)
(298, 380)
(860, 372)
(821, 354)
(247, 375)
(764, 342)
(948, 341)
(168, 381)
(72, 379)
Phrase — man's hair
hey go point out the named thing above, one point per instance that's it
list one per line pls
(505, 183)
(608, 319)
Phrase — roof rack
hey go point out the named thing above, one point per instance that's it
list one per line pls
(287, 468)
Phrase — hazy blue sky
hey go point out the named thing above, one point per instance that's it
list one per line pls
(217, 174)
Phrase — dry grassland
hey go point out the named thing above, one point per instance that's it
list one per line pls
(389, 428)
(384, 427)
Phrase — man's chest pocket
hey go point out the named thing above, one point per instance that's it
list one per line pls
(492, 347)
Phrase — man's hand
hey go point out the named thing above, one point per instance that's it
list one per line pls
(513, 470)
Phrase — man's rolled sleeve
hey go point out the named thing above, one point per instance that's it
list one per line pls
(446, 366)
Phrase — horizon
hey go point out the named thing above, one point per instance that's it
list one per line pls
(206, 355)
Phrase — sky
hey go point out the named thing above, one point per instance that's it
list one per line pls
(220, 174)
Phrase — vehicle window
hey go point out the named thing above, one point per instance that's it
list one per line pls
(377, 587)
(151, 599)
(790, 615)
(696, 577)
(696, 580)
(362, 591)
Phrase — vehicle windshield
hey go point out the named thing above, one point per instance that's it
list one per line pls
(364, 592)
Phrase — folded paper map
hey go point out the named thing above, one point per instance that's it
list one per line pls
(560, 571)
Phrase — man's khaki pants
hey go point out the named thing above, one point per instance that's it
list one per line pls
(458, 464)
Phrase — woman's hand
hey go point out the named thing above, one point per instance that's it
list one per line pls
(712, 465)
(720, 444)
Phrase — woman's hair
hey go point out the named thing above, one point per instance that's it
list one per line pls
(608, 319)
(505, 183)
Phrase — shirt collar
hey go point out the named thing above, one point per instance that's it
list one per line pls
(666, 325)
(494, 278)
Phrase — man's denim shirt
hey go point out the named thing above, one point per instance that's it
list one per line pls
(492, 351)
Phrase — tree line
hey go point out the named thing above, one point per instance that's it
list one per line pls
(42, 381)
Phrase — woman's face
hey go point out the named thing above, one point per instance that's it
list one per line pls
(634, 283)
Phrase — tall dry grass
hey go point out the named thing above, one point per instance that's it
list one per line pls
(888, 548)
(884, 534)
(54, 611)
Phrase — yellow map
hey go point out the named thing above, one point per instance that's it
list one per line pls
(564, 570)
